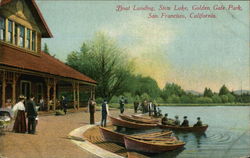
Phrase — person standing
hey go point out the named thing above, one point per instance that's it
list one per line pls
(19, 114)
(31, 115)
(92, 105)
(64, 104)
(122, 104)
(41, 104)
(105, 112)
(136, 105)
(150, 108)
(144, 106)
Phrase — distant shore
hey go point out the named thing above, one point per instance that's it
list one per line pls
(116, 105)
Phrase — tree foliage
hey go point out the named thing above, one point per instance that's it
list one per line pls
(223, 90)
(46, 48)
(208, 92)
(102, 60)
(172, 89)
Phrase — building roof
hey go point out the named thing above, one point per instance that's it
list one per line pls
(46, 33)
(45, 63)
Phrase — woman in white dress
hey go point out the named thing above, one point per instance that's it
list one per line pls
(19, 113)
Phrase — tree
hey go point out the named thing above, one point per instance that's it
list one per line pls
(172, 89)
(102, 60)
(224, 98)
(223, 90)
(216, 98)
(173, 99)
(46, 48)
(208, 93)
(231, 98)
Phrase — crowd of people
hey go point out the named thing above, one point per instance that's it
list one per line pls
(176, 122)
(27, 109)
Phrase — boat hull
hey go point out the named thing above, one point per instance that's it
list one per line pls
(138, 120)
(112, 136)
(198, 129)
(129, 124)
(147, 147)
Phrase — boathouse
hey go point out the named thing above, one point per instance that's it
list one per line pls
(25, 69)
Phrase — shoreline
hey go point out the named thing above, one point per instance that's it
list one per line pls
(131, 106)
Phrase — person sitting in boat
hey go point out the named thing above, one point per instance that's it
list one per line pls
(177, 121)
(185, 121)
(164, 120)
(199, 123)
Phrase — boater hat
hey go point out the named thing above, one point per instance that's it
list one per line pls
(22, 97)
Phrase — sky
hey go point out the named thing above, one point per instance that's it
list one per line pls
(193, 52)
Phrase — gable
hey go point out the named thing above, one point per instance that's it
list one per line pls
(25, 12)
(19, 12)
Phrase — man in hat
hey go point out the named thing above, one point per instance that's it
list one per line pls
(31, 115)
(185, 121)
(177, 121)
(164, 120)
(105, 112)
(92, 105)
(150, 108)
(122, 104)
(199, 123)
(64, 104)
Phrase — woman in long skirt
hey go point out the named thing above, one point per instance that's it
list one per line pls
(20, 121)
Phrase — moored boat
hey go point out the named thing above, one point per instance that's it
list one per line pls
(138, 120)
(145, 117)
(199, 129)
(151, 146)
(113, 136)
(129, 124)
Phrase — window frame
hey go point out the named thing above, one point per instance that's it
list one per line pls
(2, 28)
(10, 31)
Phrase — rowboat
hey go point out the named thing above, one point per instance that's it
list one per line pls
(138, 120)
(199, 129)
(129, 124)
(112, 136)
(145, 117)
(151, 146)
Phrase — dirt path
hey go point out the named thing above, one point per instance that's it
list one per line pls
(50, 141)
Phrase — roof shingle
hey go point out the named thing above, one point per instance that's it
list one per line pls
(44, 63)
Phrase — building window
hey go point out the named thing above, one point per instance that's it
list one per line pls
(28, 39)
(2, 28)
(10, 31)
(21, 36)
(33, 40)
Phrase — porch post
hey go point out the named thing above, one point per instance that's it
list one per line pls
(93, 93)
(3, 89)
(78, 95)
(54, 97)
(74, 94)
(48, 95)
(14, 89)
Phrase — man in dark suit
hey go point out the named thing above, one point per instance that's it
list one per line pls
(31, 115)
(185, 122)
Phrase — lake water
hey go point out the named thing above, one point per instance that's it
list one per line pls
(228, 134)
